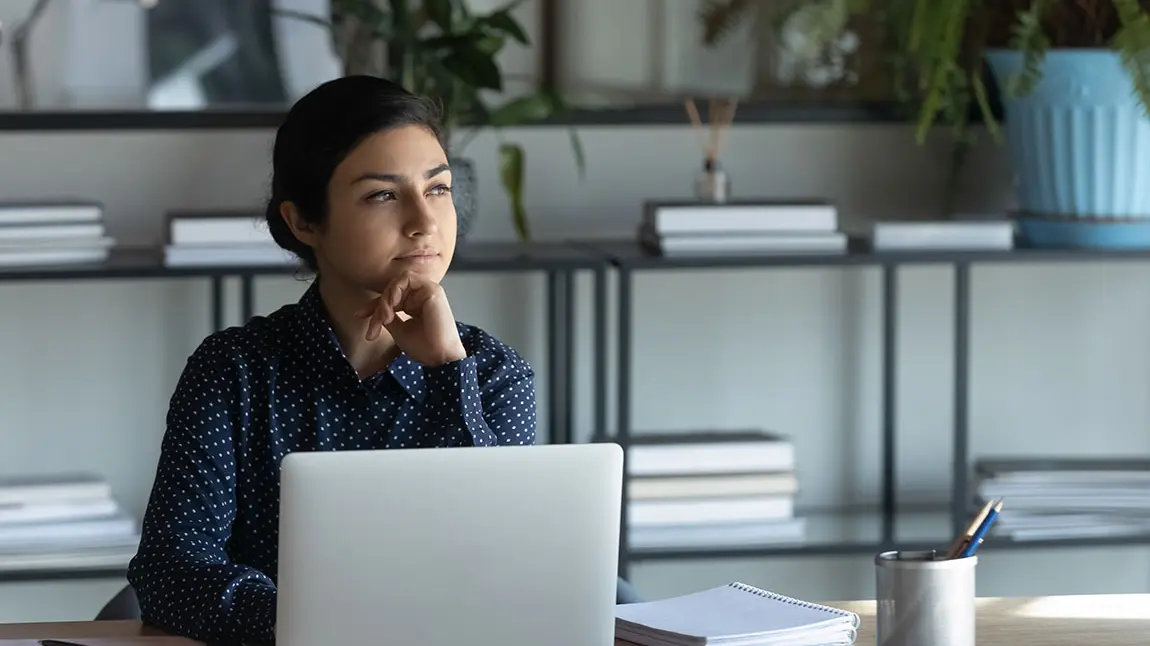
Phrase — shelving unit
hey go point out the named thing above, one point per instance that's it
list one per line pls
(559, 262)
(859, 532)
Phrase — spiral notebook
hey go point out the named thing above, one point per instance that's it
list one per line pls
(735, 614)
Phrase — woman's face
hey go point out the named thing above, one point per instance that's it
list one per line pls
(389, 211)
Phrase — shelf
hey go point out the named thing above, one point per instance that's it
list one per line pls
(860, 533)
(147, 262)
(630, 255)
(64, 574)
(670, 113)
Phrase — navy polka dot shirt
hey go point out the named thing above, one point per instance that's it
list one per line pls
(206, 566)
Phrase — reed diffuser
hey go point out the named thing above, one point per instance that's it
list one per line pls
(712, 183)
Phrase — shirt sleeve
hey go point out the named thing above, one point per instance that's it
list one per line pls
(488, 397)
(181, 573)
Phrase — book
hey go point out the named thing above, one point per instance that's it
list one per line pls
(735, 614)
(709, 453)
(689, 218)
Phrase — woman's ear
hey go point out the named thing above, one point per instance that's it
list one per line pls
(300, 227)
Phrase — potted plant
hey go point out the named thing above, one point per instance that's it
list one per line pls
(1073, 77)
(442, 49)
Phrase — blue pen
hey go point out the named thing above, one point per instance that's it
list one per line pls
(980, 533)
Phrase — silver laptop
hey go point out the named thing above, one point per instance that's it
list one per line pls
(507, 546)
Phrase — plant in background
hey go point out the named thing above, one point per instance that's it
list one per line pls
(934, 48)
(1073, 77)
(939, 49)
(813, 46)
(442, 49)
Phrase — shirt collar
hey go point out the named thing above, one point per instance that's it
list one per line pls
(318, 335)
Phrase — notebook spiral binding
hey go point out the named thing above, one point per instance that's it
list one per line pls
(743, 587)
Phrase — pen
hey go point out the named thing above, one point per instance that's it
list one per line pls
(971, 548)
(960, 543)
(976, 540)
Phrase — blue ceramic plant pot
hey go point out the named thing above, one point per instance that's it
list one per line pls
(1080, 146)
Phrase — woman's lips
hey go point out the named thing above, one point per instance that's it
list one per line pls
(420, 257)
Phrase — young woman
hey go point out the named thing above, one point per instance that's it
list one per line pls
(371, 357)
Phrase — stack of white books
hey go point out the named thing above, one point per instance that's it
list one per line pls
(52, 233)
(222, 238)
(723, 489)
(741, 228)
(1067, 498)
(960, 233)
(63, 522)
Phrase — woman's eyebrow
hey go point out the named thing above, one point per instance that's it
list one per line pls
(392, 177)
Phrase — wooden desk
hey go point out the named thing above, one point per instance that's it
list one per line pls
(1098, 620)
(104, 633)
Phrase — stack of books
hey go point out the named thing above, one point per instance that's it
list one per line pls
(962, 233)
(52, 233)
(63, 522)
(1067, 498)
(222, 238)
(711, 489)
(741, 228)
(736, 614)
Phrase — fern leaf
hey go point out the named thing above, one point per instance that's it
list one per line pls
(943, 83)
(719, 17)
(1133, 44)
(983, 101)
(920, 22)
(1029, 38)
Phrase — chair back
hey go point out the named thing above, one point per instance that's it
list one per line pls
(123, 606)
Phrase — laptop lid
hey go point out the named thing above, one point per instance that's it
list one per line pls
(508, 546)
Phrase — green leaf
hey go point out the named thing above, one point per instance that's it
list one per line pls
(511, 170)
(400, 12)
(503, 21)
(489, 44)
(984, 105)
(1030, 39)
(535, 107)
(474, 68)
(1133, 44)
(439, 12)
(577, 150)
(940, 67)
(451, 41)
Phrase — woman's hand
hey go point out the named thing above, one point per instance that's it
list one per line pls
(427, 333)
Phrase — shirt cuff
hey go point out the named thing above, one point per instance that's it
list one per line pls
(453, 390)
(254, 606)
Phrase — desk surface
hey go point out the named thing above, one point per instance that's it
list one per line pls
(1098, 620)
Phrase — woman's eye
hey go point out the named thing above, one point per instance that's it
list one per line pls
(381, 196)
(441, 189)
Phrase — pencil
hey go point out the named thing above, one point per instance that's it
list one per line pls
(960, 542)
(976, 540)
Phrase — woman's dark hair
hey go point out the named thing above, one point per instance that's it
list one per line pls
(320, 130)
